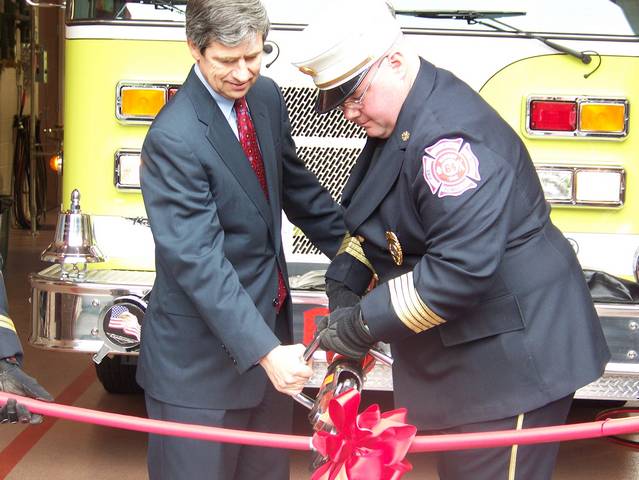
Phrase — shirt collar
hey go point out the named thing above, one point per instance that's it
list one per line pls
(225, 104)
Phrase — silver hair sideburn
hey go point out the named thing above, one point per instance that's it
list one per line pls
(228, 22)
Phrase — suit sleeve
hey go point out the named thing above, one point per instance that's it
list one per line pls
(466, 236)
(189, 242)
(9, 342)
(307, 204)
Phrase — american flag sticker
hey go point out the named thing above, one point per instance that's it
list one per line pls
(122, 319)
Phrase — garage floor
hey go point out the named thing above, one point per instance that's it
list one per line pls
(59, 449)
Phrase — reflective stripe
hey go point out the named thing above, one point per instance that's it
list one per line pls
(513, 450)
(408, 305)
(5, 322)
(353, 247)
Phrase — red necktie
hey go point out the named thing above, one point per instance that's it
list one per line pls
(248, 140)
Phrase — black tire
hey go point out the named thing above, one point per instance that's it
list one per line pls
(117, 376)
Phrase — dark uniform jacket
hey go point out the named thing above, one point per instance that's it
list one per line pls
(9, 342)
(484, 302)
(212, 311)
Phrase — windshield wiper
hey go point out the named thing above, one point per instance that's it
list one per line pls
(584, 57)
(473, 17)
(166, 5)
(469, 15)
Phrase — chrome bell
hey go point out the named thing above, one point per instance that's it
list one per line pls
(73, 246)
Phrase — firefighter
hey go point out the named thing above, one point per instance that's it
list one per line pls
(482, 299)
(12, 378)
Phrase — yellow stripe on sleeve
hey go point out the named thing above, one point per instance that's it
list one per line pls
(5, 322)
(409, 306)
(352, 246)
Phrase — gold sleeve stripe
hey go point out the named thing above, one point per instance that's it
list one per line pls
(423, 309)
(5, 322)
(408, 305)
(353, 247)
(399, 308)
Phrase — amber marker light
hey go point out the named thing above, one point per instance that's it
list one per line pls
(603, 117)
(55, 163)
(142, 102)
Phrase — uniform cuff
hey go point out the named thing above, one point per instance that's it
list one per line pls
(352, 273)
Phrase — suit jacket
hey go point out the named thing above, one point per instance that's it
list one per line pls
(212, 313)
(486, 309)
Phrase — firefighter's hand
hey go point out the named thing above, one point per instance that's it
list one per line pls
(14, 380)
(14, 412)
(286, 368)
(346, 333)
(339, 295)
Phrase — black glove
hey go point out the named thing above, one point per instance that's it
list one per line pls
(339, 295)
(14, 412)
(346, 333)
(14, 380)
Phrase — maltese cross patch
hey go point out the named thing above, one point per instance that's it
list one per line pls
(449, 168)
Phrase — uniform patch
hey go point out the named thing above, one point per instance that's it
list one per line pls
(449, 168)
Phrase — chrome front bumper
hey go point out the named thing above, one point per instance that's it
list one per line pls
(66, 316)
(65, 312)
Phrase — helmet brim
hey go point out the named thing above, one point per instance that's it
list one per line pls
(332, 98)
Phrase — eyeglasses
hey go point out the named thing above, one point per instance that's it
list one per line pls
(357, 102)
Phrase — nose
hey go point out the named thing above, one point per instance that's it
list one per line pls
(242, 72)
(350, 113)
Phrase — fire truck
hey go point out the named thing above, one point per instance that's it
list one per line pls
(564, 75)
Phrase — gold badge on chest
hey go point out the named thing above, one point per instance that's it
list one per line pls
(395, 248)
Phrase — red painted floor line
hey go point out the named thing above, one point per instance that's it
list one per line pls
(26, 440)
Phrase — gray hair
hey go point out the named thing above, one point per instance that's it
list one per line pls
(228, 22)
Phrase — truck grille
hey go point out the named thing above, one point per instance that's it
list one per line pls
(330, 164)
(331, 167)
(306, 123)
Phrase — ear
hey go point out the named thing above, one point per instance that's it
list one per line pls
(195, 52)
(398, 62)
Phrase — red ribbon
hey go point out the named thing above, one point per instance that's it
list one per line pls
(365, 446)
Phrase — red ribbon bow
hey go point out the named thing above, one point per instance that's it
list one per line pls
(371, 445)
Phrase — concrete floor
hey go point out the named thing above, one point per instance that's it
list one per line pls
(59, 449)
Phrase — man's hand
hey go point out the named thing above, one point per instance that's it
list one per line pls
(14, 380)
(346, 333)
(286, 368)
(339, 295)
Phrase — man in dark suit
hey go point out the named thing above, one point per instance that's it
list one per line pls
(218, 166)
(481, 298)
(12, 378)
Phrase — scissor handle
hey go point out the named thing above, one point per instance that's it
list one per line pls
(381, 356)
(304, 400)
(312, 347)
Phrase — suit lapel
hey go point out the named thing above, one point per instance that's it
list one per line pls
(358, 172)
(379, 178)
(222, 139)
(260, 118)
